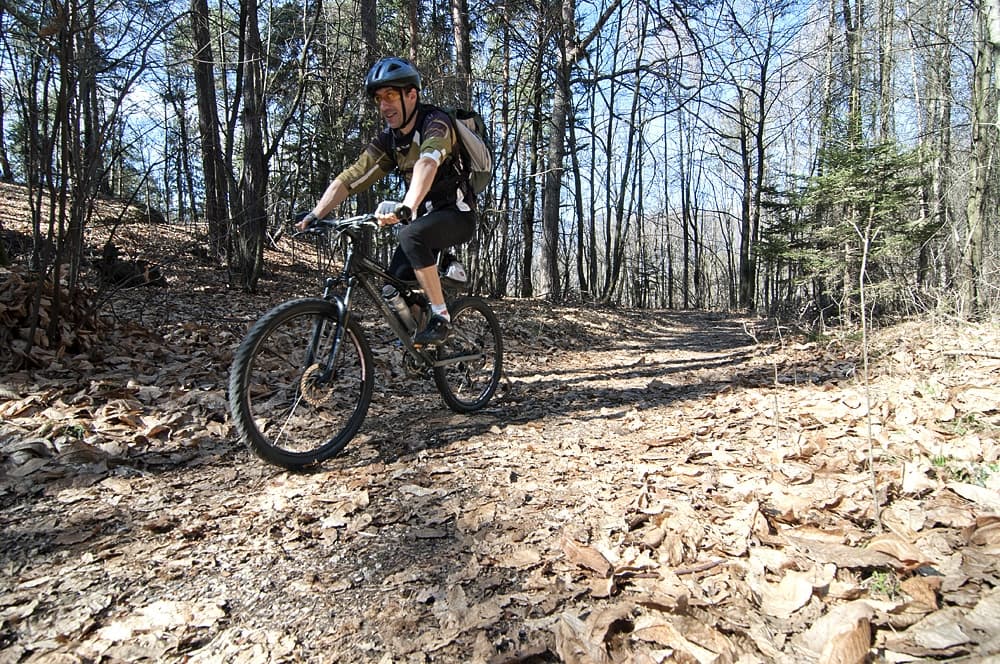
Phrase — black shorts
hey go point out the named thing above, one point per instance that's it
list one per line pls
(422, 239)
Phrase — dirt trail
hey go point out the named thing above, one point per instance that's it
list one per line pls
(423, 537)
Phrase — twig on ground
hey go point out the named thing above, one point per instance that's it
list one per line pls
(701, 567)
(973, 353)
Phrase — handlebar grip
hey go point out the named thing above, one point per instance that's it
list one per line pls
(403, 213)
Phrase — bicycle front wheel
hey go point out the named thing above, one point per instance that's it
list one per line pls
(470, 360)
(300, 384)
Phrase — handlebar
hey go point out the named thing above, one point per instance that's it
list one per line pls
(324, 226)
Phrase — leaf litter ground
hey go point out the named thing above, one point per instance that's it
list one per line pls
(646, 487)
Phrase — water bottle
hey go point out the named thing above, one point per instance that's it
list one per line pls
(399, 305)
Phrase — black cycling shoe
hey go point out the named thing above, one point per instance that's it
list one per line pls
(437, 330)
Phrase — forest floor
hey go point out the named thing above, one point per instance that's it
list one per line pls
(647, 486)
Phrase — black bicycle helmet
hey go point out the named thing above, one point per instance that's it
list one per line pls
(391, 73)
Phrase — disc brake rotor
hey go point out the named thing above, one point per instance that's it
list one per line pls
(314, 390)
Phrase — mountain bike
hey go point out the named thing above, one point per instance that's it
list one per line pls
(303, 377)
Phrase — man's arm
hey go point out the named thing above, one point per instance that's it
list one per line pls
(371, 165)
(335, 194)
(420, 183)
(424, 172)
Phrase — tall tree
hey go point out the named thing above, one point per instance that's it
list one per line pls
(213, 161)
(986, 65)
(618, 237)
(528, 189)
(570, 51)
(463, 50)
(886, 67)
(250, 219)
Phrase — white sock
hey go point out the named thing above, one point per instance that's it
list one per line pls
(440, 310)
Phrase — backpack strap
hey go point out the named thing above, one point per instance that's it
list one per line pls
(447, 176)
(421, 117)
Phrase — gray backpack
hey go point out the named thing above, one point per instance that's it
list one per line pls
(475, 148)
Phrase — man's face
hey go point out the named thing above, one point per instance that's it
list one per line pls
(391, 102)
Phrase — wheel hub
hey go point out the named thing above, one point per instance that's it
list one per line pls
(314, 387)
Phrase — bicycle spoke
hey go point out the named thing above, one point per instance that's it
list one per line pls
(469, 362)
(296, 415)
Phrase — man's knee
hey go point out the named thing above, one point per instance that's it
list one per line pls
(409, 239)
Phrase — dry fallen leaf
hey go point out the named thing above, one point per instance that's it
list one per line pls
(575, 644)
(166, 614)
(841, 636)
(520, 558)
(585, 556)
(841, 555)
(690, 639)
(784, 598)
(985, 615)
(923, 589)
(905, 552)
(937, 631)
(983, 497)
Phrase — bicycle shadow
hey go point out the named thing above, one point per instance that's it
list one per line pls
(662, 361)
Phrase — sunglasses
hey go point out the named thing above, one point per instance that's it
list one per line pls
(388, 96)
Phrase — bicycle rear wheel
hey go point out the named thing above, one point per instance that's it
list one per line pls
(474, 355)
(287, 406)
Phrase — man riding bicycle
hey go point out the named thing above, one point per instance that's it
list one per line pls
(439, 205)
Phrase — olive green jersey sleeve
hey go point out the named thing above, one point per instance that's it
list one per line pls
(373, 164)
(436, 141)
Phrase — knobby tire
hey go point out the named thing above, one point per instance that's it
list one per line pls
(286, 407)
(468, 385)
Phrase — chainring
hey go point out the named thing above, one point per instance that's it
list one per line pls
(414, 368)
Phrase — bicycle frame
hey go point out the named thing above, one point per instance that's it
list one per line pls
(361, 270)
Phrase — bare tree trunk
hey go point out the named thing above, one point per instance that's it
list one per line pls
(852, 29)
(251, 220)
(644, 290)
(6, 175)
(369, 28)
(747, 280)
(886, 63)
(503, 207)
(529, 196)
(984, 137)
(592, 221)
(232, 99)
(185, 179)
(551, 198)
(570, 51)
(627, 182)
(853, 20)
(463, 49)
(932, 88)
(413, 14)
(529, 189)
(611, 196)
(685, 159)
(212, 157)
(581, 238)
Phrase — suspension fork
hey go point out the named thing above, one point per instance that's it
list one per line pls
(321, 324)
